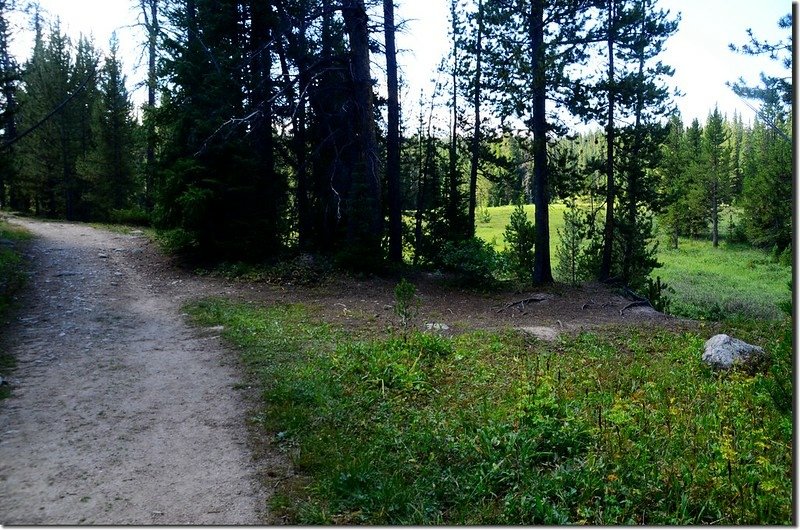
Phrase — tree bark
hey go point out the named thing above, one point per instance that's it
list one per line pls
(608, 232)
(542, 272)
(151, 24)
(393, 137)
(364, 201)
(476, 133)
(452, 203)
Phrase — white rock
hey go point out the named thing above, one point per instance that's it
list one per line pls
(723, 352)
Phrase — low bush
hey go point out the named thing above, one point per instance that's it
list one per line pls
(136, 215)
(473, 258)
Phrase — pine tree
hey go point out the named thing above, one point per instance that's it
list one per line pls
(717, 158)
(533, 41)
(110, 166)
(570, 246)
(9, 85)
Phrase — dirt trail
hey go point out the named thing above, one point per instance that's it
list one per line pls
(121, 413)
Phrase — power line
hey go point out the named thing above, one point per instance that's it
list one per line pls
(52, 113)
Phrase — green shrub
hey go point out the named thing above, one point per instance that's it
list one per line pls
(136, 215)
(473, 258)
(406, 303)
(520, 236)
(177, 241)
(657, 294)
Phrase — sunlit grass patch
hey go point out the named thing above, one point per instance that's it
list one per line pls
(724, 282)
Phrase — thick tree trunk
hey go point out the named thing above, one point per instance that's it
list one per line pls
(393, 138)
(542, 272)
(261, 29)
(476, 133)
(151, 23)
(608, 233)
(634, 170)
(452, 200)
(364, 201)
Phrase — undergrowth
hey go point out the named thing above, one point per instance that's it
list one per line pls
(12, 278)
(625, 427)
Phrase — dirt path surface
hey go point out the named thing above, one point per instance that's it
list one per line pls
(121, 413)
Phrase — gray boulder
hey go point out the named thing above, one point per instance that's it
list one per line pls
(723, 352)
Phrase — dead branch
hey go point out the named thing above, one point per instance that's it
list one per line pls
(522, 303)
(638, 303)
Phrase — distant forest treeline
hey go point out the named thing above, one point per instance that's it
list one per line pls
(263, 133)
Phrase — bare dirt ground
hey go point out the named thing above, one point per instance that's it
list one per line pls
(122, 413)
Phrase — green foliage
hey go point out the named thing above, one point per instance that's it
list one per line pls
(12, 275)
(12, 279)
(406, 303)
(135, 215)
(484, 216)
(569, 249)
(520, 237)
(473, 258)
(487, 428)
(657, 294)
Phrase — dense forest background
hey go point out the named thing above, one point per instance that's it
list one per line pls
(264, 135)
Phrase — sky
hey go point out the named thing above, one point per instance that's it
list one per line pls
(698, 51)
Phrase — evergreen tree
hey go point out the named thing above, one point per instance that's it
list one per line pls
(766, 203)
(533, 42)
(9, 85)
(570, 246)
(110, 167)
(717, 158)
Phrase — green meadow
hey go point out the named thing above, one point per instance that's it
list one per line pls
(729, 281)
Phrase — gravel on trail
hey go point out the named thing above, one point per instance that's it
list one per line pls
(121, 412)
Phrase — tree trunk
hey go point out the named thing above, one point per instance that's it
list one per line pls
(261, 81)
(608, 233)
(714, 214)
(634, 170)
(393, 138)
(476, 133)
(364, 201)
(542, 272)
(452, 203)
(151, 24)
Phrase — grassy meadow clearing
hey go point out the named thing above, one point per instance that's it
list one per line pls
(732, 280)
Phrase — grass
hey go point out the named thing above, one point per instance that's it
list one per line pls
(625, 427)
(500, 216)
(12, 277)
(728, 281)
(731, 281)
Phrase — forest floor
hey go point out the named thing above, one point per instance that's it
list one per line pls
(121, 412)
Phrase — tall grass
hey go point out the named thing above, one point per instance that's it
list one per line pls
(724, 282)
(497, 428)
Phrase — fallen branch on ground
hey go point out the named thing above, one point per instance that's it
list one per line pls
(522, 303)
(638, 303)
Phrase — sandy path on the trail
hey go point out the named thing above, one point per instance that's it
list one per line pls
(121, 413)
